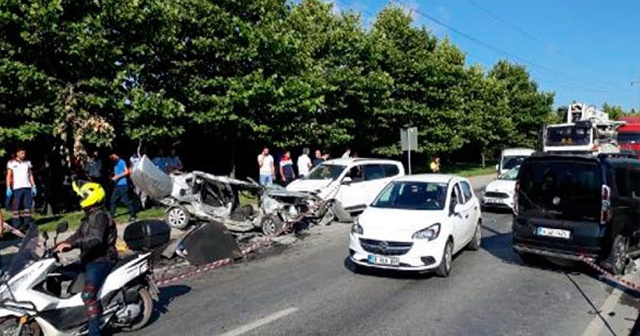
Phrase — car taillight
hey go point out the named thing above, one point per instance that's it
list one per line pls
(605, 212)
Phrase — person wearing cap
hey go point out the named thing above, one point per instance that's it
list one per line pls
(96, 238)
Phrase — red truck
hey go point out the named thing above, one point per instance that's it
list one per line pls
(629, 134)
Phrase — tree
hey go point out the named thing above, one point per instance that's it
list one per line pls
(614, 112)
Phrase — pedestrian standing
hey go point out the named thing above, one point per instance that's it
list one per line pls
(94, 167)
(318, 159)
(22, 187)
(286, 169)
(435, 165)
(174, 162)
(267, 169)
(161, 161)
(304, 163)
(121, 187)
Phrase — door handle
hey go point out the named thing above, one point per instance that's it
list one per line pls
(467, 216)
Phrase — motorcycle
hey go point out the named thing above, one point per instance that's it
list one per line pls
(33, 302)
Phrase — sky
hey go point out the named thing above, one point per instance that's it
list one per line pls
(583, 50)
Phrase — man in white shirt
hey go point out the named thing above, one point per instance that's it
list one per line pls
(21, 185)
(304, 162)
(267, 169)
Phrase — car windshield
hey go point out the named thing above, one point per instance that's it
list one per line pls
(568, 136)
(571, 188)
(631, 138)
(510, 162)
(412, 196)
(326, 171)
(26, 254)
(511, 175)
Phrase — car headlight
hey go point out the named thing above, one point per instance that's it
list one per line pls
(429, 233)
(356, 227)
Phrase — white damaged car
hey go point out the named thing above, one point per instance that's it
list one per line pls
(417, 223)
(500, 193)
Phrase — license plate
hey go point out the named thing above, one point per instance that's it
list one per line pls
(387, 261)
(492, 200)
(556, 233)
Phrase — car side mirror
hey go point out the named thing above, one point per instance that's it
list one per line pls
(347, 180)
(497, 167)
(454, 209)
(62, 227)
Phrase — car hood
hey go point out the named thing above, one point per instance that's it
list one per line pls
(501, 186)
(387, 221)
(308, 185)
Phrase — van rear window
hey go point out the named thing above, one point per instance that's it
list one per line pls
(572, 188)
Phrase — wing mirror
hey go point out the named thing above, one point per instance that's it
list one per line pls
(497, 167)
(455, 209)
(347, 180)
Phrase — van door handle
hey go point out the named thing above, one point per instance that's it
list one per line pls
(467, 216)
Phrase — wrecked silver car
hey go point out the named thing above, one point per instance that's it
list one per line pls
(199, 196)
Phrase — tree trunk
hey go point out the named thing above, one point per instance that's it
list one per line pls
(483, 158)
(232, 158)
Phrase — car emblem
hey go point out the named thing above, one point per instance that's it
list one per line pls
(556, 200)
(383, 246)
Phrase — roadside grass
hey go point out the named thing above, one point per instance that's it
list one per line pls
(462, 169)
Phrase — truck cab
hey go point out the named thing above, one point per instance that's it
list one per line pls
(629, 135)
(511, 158)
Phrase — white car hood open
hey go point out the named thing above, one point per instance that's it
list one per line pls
(501, 186)
(387, 223)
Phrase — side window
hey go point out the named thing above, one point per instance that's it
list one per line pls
(633, 184)
(373, 172)
(621, 182)
(355, 173)
(466, 190)
(391, 170)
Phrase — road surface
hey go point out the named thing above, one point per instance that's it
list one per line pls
(309, 288)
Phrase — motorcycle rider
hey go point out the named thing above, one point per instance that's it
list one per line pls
(96, 239)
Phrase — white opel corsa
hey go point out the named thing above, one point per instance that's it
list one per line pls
(417, 223)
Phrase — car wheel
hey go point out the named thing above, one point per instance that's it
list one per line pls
(444, 269)
(177, 217)
(617, 260)
(476, 241)
(271, 225)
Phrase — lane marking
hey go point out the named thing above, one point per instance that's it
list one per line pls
(259, 323)
(597, 324)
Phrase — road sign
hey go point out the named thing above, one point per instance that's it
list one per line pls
(409, 142)
(409, 139)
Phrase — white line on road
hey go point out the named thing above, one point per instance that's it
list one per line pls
(259, 323)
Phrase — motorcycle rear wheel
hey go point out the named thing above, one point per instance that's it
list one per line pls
(8, 327)
(147, 309)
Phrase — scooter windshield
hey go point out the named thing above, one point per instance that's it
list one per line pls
(26, 254)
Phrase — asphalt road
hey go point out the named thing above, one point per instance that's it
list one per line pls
(309, 288)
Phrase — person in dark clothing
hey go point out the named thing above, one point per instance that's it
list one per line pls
(96, 239)
(121, 187)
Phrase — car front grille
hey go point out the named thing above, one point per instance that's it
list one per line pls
(495, 194)
(387, 248)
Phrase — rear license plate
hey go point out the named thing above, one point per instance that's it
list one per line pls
(556, 233)
(386, 261)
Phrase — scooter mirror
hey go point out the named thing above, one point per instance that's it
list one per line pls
(62, 227)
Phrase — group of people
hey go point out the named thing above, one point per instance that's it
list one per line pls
(286, 171)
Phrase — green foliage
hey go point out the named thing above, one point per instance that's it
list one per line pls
(614, 112)
(93, 72)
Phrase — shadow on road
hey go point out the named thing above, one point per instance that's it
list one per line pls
(165, 298)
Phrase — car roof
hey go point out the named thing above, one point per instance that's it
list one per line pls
(517, 151)
(435, 178)
(346, 162)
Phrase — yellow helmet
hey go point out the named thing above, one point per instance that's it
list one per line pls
(91, 193)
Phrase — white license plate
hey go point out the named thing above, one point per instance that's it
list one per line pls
(492, 200)
(386, 261)
(557, 233)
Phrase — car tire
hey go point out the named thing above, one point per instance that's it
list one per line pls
(476, 241)
(617, 260)
(271, 225)
(444, 269)
(177, 217)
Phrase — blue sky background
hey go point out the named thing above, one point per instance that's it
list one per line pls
(583, 50)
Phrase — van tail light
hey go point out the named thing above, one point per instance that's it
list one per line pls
(605, 213)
